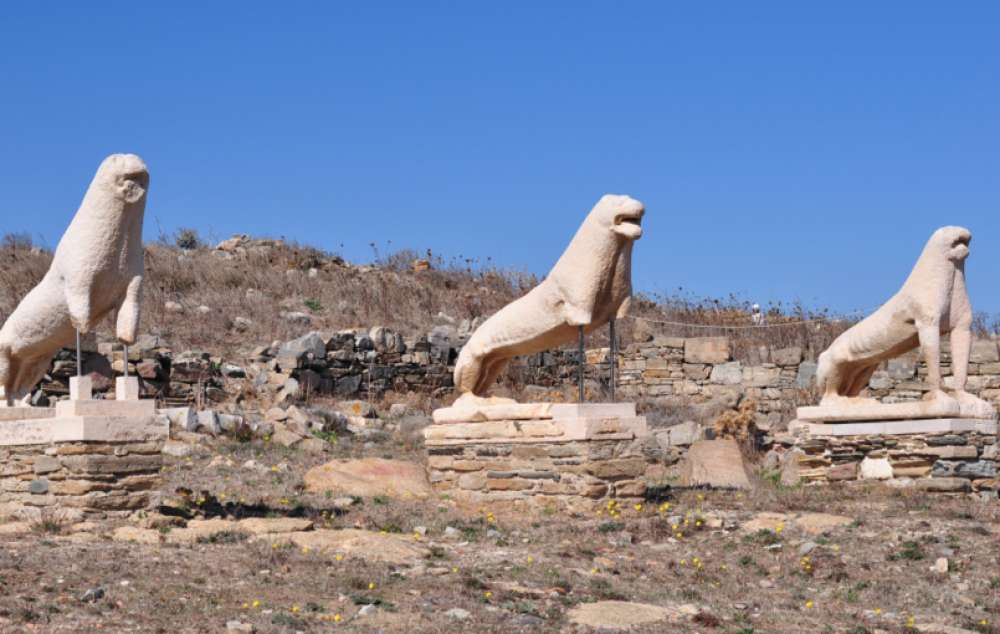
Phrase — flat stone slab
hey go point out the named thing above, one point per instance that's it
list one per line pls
(117, 409)
(538, 430)
(24, 413)
(868, 410)
(715, 463)
(369, 477)
(41, 431)
(471, 412)
(623, 615)
(899, 427)
(811, 523)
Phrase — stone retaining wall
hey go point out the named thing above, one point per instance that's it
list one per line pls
(362, 363)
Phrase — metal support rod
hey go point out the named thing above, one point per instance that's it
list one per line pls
(613, 357)
(125, 347)
(79, 363)
(582, 361)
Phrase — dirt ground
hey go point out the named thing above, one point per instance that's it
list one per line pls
(717, 557)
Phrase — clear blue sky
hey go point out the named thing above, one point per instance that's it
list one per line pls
(784, 150)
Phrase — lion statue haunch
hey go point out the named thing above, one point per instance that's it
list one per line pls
(933, 301)
(590, 284)
(97, 268)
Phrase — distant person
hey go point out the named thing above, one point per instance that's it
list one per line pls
(756, 317)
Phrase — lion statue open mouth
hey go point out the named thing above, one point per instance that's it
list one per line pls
(589, 285)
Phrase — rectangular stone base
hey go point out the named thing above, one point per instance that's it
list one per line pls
(85, 464)
(869, 410)
(115, 409)
(946, 455)
(898, 427)
(536, 431)
(577, 450)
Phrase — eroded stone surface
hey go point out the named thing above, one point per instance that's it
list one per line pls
(369, 477)
(715, 463)
(624, 615)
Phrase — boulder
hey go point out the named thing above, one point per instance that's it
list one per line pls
(715, 463)
(369, 477)
(310, 346)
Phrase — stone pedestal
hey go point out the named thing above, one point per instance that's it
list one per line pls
(83, 457)
(539, 451)
(937, 454)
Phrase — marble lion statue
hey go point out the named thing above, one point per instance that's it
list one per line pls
(97, 268)
(932, 302)
(590, 284)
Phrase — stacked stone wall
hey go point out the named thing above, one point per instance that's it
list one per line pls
(97, 479)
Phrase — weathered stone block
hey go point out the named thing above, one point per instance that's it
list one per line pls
(508, 484)
(984, 351)
(727, 373)
(112, 464)
(876, 469)
(630, 489)
(951, 452)
(786, 356)
(709, 350)
(472, 481)
(715, 463)
(46, 464)
(943, 485)
(612, 469)
(846, 471)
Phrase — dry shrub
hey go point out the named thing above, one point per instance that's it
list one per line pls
(738, 424)
(49, 521)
